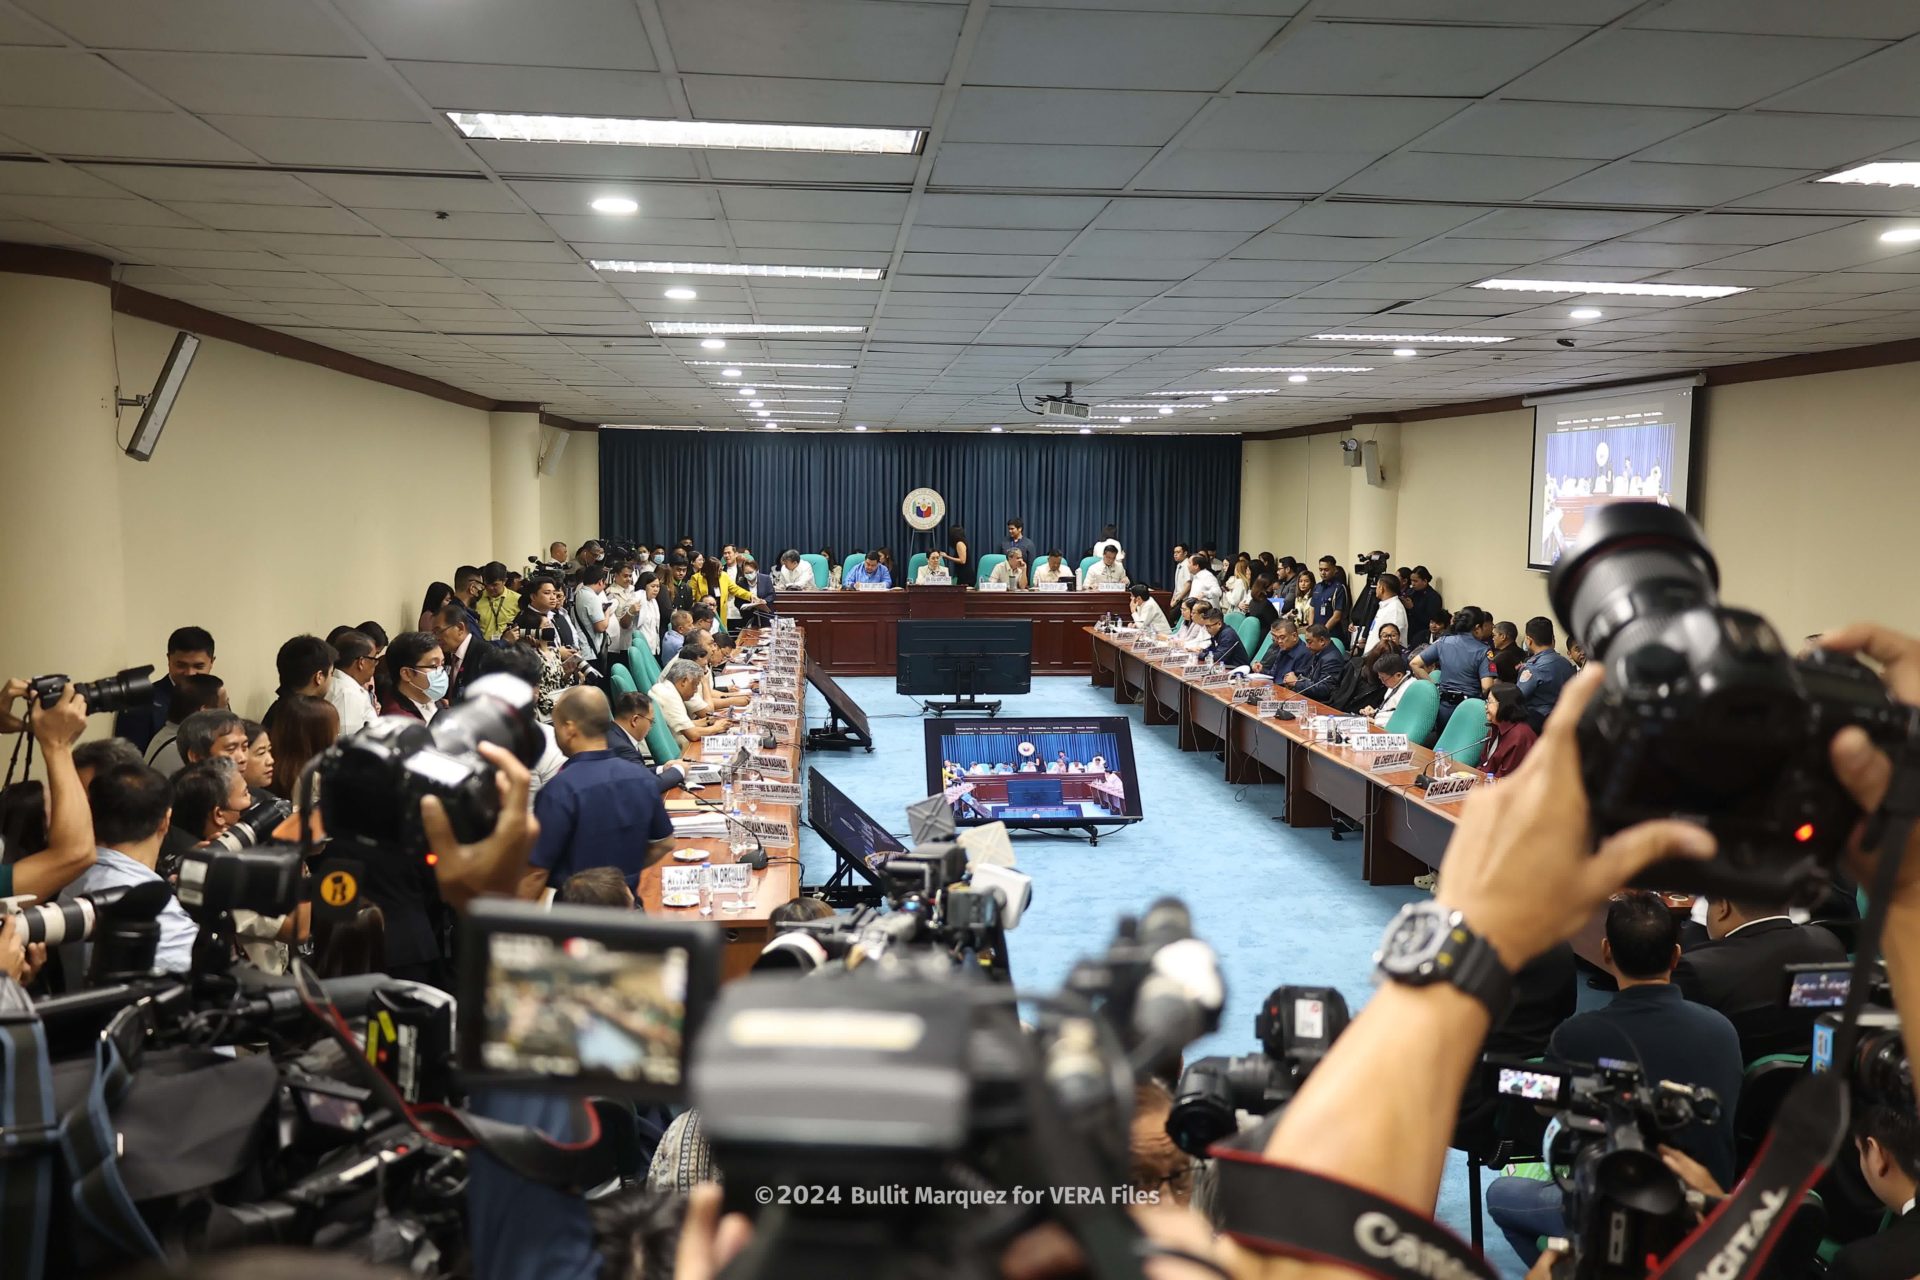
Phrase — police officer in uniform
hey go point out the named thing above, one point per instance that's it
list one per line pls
(1543, 675)
(1459, 657)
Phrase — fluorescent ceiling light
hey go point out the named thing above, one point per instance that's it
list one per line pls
(1218, 398)
(682, 294)
(996, 428)
(757, 404)
(785, 386)
(1162, 407)
(694, 328)
(1226, 391)
(729, 373)
(1464, 338)
(1294, 368)
(1296, 377)
(806, 413)
(1585, 313)
(771, 426)
(739, 269)
(749, 391)
(1404, 352)
(1606, 286)
(717, 134)
(1086, 431)
(714, 344)
(1123, 421)
(769, 364)
(859, 426)
(616, 204)
(1900, 235)
(791, 400)
(765, 413)
(1881, 173)
(1165, 409)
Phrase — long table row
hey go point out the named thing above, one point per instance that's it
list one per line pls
(1402, 833)
(851, 633)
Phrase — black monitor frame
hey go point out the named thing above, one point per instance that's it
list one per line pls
(846, 726)
(964, 657)
(1119, 726)
(839, 889)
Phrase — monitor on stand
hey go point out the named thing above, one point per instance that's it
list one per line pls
(846, 726)
(964, 657)
(859, 845)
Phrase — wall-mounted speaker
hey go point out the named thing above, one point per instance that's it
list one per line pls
(1370, 464)
(156, 405)
(556, 449)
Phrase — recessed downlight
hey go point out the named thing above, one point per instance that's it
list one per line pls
(616, 204)
(713, 344)
(680, 293)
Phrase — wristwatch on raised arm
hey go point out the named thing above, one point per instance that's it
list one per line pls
(1428, 942)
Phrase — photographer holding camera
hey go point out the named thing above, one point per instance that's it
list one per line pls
(55, 726)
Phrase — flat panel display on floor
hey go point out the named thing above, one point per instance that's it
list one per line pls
(1035, 773)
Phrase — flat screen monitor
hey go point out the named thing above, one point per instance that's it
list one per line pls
(1629, 444)
(845, 711)
(855, 838)
(963, 655)
(1035, 773)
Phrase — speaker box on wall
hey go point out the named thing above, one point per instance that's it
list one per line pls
(1370, 464)
(156, 406)
(556, 449)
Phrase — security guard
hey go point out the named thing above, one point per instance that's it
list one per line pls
(1459, 657)
(1543, 674)
(1331, 603)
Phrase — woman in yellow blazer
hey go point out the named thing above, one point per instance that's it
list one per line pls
(724, 589)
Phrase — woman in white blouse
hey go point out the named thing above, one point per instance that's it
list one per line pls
(1239, 590)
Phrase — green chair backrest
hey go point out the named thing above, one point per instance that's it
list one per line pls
(989, 562)
(1339, 644)
(1249, 629)
(1419, 708)
(1434, 675)
(621, 679)
(1086, 563)
(661, 744)
(821, 578)
(1265, 645)
(852, 560)
(914, 566)
(1232, 618)
(1463, 738)
(643, 667)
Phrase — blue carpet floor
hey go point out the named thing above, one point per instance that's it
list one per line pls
(1279, 905)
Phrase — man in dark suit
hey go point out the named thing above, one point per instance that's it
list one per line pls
(632, 720)
(1738, 971)
(1887, 1140)
(1649, 1022)
(1225, 647)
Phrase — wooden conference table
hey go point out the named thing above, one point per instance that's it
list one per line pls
(851, 633)
(744, 932)
(1402, 833)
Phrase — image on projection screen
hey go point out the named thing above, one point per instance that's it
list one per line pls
(1627, 446)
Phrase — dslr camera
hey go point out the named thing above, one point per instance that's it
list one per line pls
(1705, 715)
(372, 783)
(131, 688)
(1295, 1026)
(1879, 1072)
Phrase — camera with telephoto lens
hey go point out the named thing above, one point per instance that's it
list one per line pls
(123, 692)
(1295, 1026)
(371, 783)
(255, 826)
(121, 922)
(1622, 1204)
(1879, 1072)
(1705, 715)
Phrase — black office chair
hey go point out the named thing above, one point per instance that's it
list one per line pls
(1763, 1088)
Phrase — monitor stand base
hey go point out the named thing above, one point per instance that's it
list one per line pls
(965, 703)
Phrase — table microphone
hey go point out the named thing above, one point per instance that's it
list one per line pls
(1424, 780)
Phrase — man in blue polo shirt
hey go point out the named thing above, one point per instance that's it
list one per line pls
(1543, 675)
(1460, 657)
(600, 810)
(869, 572)
(1331, 603)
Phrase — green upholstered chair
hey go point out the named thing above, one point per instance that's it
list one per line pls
(846, 566)
(1464, 738)
(643, 667)
(1339, 644)
(621, 679)
(1086, 563)
(821, 578)
(914, 566)
(1434, 675)
(988, 562)
(1419, 708)
(1266, 643)
(1249, 629)
(661, 744)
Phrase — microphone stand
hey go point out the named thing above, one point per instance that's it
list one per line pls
(1425, 780)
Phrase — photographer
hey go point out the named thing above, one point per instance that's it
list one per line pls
(70, 848)
(132, 810)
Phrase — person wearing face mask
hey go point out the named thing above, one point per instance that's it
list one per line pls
(349, 688)
(414, 678)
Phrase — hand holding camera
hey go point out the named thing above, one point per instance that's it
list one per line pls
(58, 724)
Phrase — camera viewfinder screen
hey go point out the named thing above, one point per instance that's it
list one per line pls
(577, 1008)
(1819, 989)
(1535, 1086)
(1035, 773)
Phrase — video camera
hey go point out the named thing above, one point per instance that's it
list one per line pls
(1371, 565)
(1295, 1026)
(1623, 1205)
(1704, 714)
(1879, 1071)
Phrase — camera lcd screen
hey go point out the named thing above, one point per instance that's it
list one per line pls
(583, 999)
(1818, 988)
(1035, 773)
(1530, 1083)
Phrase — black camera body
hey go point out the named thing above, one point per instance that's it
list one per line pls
(1371, 565)
(1704, 715)
(130, 688)
(1296, 1026)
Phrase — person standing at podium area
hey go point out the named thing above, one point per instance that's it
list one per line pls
(1182, 570)
(1011, 572)
(1017, 539)
(934, 573)
(869, 570)
(1054, 569)
(1106, 572)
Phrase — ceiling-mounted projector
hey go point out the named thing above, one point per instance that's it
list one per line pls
(1060, 407)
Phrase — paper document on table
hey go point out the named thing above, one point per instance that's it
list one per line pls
(703, 825)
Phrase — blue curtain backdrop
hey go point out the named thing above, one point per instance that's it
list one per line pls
(1004, 748)
(1570, 454)
(771, 491)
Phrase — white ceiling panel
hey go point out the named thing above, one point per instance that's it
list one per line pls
(902, 42)
(1685, 69)
(598, 236)
(1292, 172)
(465, 226)
(130, 135)
(1399, 61)
(255, 84)
(1769, 138)
(1428, 176)
(1099, 117)
(1275, 122)
(324, 220)
(1643, 182)
(1161, 244)
(1195, 215)
(227, 186)
(69, 78)
(345, 143)
(31, 177)
(593, 33)
(772, 98)
(1735, 228)
(1588, 130)
(454, 86)
(1874, 19)
(219, 26)
(1878, 85)
(125, 211)
(787, 166)
(981, 240)
(1042, 212)
(980, 163)
(1098, 49)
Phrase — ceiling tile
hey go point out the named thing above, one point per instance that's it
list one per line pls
(1241, 172)
(226, 186)
(34, 177)
(130, 135)
(1095, 49)
(995, 164)
(219, 26)
(1459, 177)
(1642, 182)
(897, 42)
(854, 102)
(1589, 130)
(1378, 58)
(1100, 117)
(595, 33)
(454, 86)
(800, 167)
(474, 226)
(1877, 85)
(1044, 212)
(1875, 19)
(254, 84)
(1770, 138)
(69, 78)
(346, 143)
(1684, 69)
(1274, 122)
(325, 220)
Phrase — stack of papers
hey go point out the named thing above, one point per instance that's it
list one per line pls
(703, 825)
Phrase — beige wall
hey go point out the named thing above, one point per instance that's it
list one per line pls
(282, 498)
(1804, 486)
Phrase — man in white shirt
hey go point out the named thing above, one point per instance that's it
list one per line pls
(1148, 616)
(1054, 569)
(794, 574)
(590, 617)
(677, 685)
(1201, 582)
(1106, 573)
(934, 573)
(1182, 571)
(1390, 610)
(623, 606)
(1393, 673)
(350, 687)
(132, 809)
(1011, 572)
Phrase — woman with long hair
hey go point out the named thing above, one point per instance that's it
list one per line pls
(1509, 736)
(438, 593)
(959, 557)
(304, 728)
(1239, 590)
(1300, 600)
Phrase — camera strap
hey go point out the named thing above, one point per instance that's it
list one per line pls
(1277, 1209)
(27, 1148)
(91, 1146)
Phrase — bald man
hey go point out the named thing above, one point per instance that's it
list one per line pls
(600, 810)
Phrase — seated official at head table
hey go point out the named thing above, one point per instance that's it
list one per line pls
(869, 572)
(1148, 616)
(1053, 569)
(1105, 573)
(793, 574)
(934, 573)
(1011, 572)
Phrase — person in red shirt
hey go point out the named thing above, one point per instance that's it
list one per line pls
(1509, 736)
